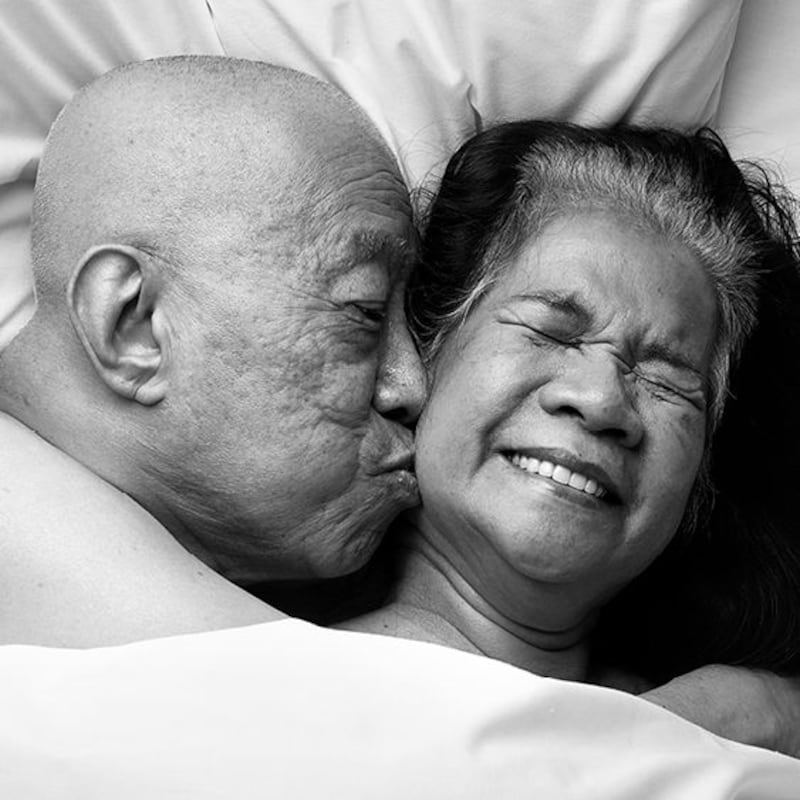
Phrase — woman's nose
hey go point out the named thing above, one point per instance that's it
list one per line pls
(592, 389)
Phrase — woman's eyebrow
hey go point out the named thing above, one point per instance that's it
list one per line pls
(570, 304)
(661, 351)
(566, 303)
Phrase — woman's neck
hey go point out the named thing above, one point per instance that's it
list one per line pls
(435, 600)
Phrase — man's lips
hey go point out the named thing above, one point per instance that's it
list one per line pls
(405, 462)
(567, 469)
(400, 471)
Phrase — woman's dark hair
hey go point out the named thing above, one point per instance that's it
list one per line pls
(730, 593)
(728, 588)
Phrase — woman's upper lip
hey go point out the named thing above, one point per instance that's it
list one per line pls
(573, 463)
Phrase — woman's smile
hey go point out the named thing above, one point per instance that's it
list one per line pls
(560, 474)
(544, 489)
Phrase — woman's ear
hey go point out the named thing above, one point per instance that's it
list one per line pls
(112, 297)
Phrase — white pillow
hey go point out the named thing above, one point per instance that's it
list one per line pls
(429, 72)
(759, 113)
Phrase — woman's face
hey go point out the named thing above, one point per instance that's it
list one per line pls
(566, 422)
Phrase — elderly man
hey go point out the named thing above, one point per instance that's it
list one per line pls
(220, 249)
(220, 332)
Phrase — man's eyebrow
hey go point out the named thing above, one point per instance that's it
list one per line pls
(365, 245)
(562, 302)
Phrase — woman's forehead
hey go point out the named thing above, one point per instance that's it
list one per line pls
(594, 271)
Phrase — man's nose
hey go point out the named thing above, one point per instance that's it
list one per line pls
(401, 386)
(592, 389)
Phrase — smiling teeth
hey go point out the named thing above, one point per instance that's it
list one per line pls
(559, 474)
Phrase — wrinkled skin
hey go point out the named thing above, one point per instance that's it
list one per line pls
(316, 381)
(220, 248)
(233, 240)
(591, 350)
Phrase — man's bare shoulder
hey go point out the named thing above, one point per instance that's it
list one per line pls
(35, 475)
(47, 493)
(82, 564)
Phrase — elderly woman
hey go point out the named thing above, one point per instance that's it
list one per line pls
(583, 298)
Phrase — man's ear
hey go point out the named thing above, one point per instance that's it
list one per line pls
(112, 297)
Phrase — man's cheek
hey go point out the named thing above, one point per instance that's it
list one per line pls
(347, 397)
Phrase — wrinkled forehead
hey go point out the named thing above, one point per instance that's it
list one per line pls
(361, 254)
(310, 199)
(359, 210)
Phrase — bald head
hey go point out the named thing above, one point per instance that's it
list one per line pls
(151, 151)
(221, 248)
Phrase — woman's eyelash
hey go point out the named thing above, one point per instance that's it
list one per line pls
(657, 386)
(564, 341)
(664, 390)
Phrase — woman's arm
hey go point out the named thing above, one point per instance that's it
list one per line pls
(749, 706)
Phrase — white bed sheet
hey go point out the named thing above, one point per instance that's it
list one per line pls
(287, 710)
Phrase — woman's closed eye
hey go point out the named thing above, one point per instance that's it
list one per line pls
(555, 337)
(543, 333)
(672, 390)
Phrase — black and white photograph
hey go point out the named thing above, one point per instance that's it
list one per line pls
(399, 399)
